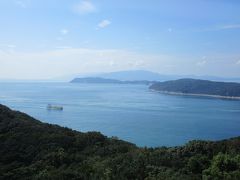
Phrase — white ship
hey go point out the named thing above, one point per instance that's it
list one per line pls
(54, 107)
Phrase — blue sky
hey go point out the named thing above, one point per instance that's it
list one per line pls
(51, 38)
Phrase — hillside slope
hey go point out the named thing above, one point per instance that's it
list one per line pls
(34, 150)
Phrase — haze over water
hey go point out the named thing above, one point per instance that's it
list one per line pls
(130, 112)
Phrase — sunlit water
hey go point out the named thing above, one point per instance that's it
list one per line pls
(130, 112)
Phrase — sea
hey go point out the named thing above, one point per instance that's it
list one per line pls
(130, 112)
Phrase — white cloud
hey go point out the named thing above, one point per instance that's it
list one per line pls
(64, 31)
(104, 23)
(201, 63)
(85, 7)
(22, 4)
(238, 62)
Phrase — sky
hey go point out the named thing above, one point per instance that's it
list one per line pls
(44, 39)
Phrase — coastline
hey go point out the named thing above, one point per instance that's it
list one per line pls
(192, 94)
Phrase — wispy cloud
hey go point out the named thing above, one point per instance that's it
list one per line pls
(229, 26)
(238, 62)
(59, 38)
(223, 27)
(8, 45)
(7, 48)
(21, 4)
(64, 60)
(170, 30)
(73, 60)
(63, 47)
(104, 23)
(64, 31)
(11, 46)
(85, 7)
(203, 62)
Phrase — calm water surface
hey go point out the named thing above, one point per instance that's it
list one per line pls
(131, 112)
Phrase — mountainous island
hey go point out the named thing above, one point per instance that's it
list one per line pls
(138, 75)
(199, 87)
(31, 149)
(109, 81)
(195, 87)
(143, 75)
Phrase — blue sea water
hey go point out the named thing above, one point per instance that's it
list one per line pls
(130, 112)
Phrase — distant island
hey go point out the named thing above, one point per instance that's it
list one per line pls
(109, 81)
(31, 149)
(136, 75)
(143, 75)
(194, 87)
(199, 88)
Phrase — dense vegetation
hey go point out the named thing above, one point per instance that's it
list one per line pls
(195, 86)
(107, 81)
(30, 149)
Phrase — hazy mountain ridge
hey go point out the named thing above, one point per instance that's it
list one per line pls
(131, 75)
(95, 80)
(108, 81)
(144, 75)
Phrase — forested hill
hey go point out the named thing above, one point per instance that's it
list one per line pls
(30, 149)
(195, 86)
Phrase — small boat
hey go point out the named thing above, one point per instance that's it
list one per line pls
(54, 107)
